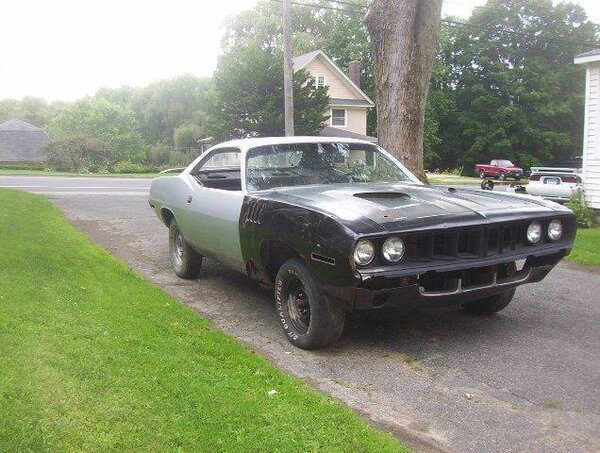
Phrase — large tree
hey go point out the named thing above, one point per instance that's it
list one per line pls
(247, 98)
(335, 28)
(518, 94)
(164, 105)
(404, 38)
(101, 121)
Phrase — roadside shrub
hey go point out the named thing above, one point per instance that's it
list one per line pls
(182, 159)
(459, 171)
(158, 156)
(78, 153)
(585, 215)
(22, 165)
(132, 167)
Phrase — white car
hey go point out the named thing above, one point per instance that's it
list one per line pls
(556, 184)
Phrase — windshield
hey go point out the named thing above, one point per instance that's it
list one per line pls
(300, 164)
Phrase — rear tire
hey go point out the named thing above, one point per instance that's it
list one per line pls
(489, 305)
(185, 260)
(482, 174)
(308, 318)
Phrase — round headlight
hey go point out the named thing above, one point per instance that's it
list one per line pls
(364, 252)
(393, 250)
(534, 232)
(555, 230)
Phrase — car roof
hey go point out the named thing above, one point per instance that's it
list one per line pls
(247, 143)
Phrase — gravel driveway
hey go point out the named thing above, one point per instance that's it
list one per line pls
(527, 379)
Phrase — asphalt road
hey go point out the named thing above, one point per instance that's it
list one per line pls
(527, 379)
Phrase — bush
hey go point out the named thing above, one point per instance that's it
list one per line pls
(22, 165)
(133, 167)
(182, 159)
(78, 153)
(585, 215)
(158, 156)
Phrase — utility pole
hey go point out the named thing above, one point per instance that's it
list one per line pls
(288, 70)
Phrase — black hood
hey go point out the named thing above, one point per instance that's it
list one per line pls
(384, 207)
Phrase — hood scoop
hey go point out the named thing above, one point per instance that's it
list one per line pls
(386, 199)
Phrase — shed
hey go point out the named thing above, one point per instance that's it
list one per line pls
(591, 128)
(21, 142)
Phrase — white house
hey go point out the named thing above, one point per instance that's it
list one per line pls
(348, 104)
(591, 129)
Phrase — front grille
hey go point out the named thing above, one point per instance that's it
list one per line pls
(470, 243)
(477, 242)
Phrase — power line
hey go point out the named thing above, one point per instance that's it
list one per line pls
(520, 33)
(502, 10)
(334, 8)
(457, 24)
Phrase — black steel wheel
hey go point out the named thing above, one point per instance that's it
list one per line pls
(308, 318)
(185, 260)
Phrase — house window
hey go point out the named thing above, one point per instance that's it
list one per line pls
(338, 117)
(319, 81)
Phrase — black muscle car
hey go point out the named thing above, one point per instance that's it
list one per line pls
(336, 225)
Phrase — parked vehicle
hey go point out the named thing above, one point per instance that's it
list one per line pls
(556, 184)
(336, 225)
(499, 168)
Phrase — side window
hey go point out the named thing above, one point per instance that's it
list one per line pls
(228, 158)
(220, 170)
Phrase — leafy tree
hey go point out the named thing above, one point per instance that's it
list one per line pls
(517, 92)
(163, 106)
(79, 153)
(247, 99)
(339, 32)
(105, 122)
(186, 137)
(33, 110)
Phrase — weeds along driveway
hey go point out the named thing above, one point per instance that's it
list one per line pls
(525, 379)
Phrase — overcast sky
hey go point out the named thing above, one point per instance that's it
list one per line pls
(65, 49)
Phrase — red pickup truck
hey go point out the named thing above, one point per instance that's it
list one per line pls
(499, 168)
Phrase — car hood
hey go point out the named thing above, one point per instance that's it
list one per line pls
(367, 208)
(513, 168)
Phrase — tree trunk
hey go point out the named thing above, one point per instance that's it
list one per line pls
(404, 37)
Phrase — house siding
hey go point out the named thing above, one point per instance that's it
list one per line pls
(337, 88)
(22, 146)
(591, 139)
(356, 120)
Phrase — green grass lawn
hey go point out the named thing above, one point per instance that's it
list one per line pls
(587, 247)
(95, 358)
(449, 178)
(34, 172)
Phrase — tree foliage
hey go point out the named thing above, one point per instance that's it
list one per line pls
(103, 122)
(515, 90)
(247, 100)
(339, 32)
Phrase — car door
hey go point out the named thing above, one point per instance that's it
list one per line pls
(210, 218)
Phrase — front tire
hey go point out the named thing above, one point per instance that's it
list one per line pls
(489, 305)
(502, 176)
(308, 318)
(185, 260)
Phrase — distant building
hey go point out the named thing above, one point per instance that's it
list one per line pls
(348, 104)
(591, 128)
(21, 142)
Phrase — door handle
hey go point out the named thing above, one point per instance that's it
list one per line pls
(189, 200)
